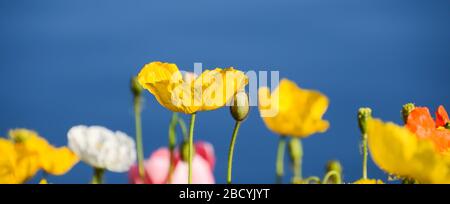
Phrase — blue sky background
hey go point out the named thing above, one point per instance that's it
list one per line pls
(64, 63)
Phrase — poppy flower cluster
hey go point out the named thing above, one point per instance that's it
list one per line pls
(416, 152)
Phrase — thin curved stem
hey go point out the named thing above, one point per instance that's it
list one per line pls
(280, 159)
(330, 174)
(139, 145)
(231, 150)
(312, 178)
(191, 146)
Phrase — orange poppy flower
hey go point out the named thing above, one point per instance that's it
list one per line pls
(424, 126)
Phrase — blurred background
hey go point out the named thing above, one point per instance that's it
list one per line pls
(65, 63)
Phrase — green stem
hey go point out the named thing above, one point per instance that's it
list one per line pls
(297, 166)
(330, 174)
(280, 159)
(365, 154)
(98, 176)
(139, 146)
(231, 150)
(183, 128)
(172, 144)
(191, 146)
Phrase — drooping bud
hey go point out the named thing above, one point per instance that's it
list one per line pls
(334, 168)
(334, 165)
(363, 115)
(136, 88)
(240, 108)
(406, 110)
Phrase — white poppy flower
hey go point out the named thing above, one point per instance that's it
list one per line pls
(102, 148)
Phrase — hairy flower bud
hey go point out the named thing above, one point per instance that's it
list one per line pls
(406, 110)
(240, 108)
(334, 165)
(363, 115)
(136, 88)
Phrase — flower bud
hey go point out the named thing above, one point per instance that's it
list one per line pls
(184, 150)
(136, 88)
(295, 150)
(363, 115)
(240, 108)
(334, 165)
(406, 110)
(447, 126)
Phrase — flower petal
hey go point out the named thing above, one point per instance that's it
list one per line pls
(102, 148)
(368, 181)
(218, 86)
(206, 151)
(299, 111)
(421, 123)
(441, 117)
(201, 172)
(58, 161)
(165, 82)
(157, 167)
(8, 163)
(157, 72)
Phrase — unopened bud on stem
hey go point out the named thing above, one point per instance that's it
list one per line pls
(334, 165)
(363, 115)
(136, 88)
(406, 110)
(240, 108)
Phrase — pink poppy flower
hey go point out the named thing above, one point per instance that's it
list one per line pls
(157, 167)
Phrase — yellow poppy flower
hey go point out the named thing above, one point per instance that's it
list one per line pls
(368, 181)
(58, 161)
(211, 90)
(34, 152)
(292, 111)
(8, 160)
(400, 152)
(55, 161)
(15, 167)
